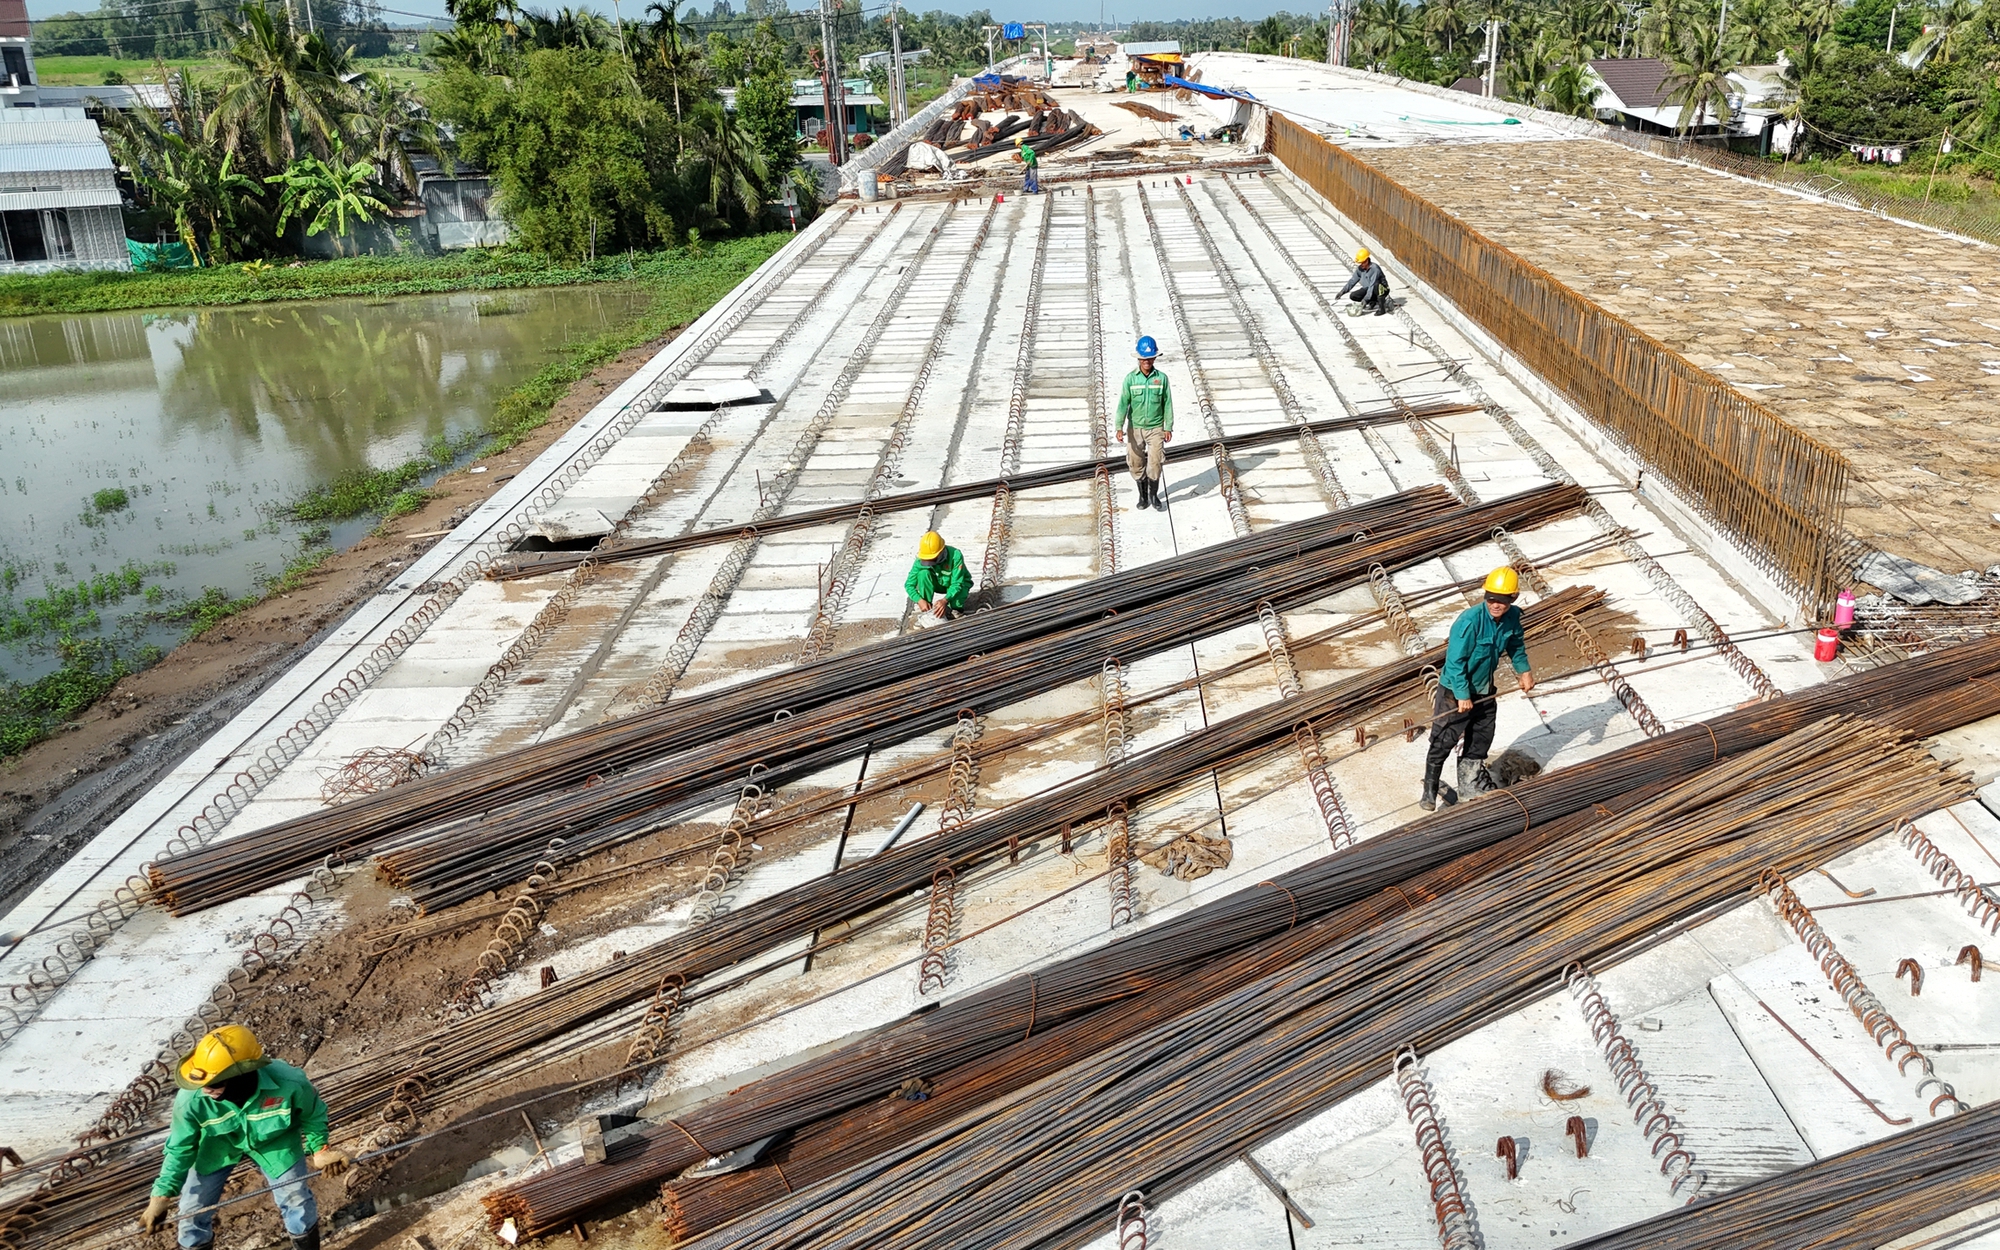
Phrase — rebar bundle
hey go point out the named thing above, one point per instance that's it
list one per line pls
(535, 565)
(233, 867)
(1872, 1195)
(1920, 697)
(1218, 1063)
(468, 1046)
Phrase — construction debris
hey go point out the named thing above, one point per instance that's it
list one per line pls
(1191, 856)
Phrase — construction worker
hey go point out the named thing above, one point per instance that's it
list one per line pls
(236, 1103)
(1033, 186)
(1369, 284)
(1466, 706)
(1146, 405)
(938, 583)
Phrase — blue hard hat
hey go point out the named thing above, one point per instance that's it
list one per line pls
(1147, 347)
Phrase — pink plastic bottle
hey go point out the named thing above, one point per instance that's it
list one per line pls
(1843, 609)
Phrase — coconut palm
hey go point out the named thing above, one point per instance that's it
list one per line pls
(1569, 91)
(1698, 79)
(393, 128)
(736, 170)
(272, 81)
(1816, 17)
(191, 175)
(672, 54)
(1445, 22)
(1952, 28)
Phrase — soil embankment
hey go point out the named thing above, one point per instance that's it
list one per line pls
(58, 794)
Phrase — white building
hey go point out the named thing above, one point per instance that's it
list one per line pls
(59, 201)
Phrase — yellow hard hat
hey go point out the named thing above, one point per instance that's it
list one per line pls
(228, 1051)
(1360, 255)
(1503, 581)
(930, 546)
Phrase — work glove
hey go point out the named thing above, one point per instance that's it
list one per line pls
(330, 1161)
(156, 1212)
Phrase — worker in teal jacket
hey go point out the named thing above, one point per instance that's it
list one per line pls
(237, 1103)
(938, 583)
(1466, 705)
(1146, 410)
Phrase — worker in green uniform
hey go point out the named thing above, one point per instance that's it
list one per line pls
(1466, 705)
(1032, 164)
(237, 1103)
(1146, 407)
(938, 583)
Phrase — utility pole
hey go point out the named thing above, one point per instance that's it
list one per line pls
(899, 106)
(834, 92)
(1492, 53)
(1722, 23)
(1888, 45)
(1331, 9)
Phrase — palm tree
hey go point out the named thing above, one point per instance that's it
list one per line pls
(1951, 29)
(1816, 17)
(1526, 71)
(673, 54)
(1569, 91)
(273, 75)
(394, 127)
(184, 170)
(325, 193)
(1698, 79)
(736, 170)
(1444, 22)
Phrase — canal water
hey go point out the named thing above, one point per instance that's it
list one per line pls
(210, 422)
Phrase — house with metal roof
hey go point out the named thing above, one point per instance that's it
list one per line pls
(60, 206)
(59, 201)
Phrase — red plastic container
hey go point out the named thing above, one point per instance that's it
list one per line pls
(1827, 646)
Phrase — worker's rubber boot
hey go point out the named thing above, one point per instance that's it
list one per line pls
(1145, 492)
(1473, 777)
(308, 1240)
(1436, 792)
(1159, 495)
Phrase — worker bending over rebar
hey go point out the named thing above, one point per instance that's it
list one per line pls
(938, 582)
(1465, 705)
(238, 1103)
(1146, 408)
(1370, 286)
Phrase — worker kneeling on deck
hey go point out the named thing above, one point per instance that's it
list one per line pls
(938, 583)
(236, 1103)
(1146, 407)
(1370, 286)
(1466, 705)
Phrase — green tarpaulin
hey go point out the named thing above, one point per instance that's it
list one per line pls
(154, 257)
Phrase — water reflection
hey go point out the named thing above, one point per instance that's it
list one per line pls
(211, 420)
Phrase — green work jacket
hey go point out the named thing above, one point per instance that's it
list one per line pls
(1028, 156)
(1477, 643)
(1145, 402)
(947, 577)
(282, 1122)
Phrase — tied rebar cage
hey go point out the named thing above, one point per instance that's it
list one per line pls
(1778, 492)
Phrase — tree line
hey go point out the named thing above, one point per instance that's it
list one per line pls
(600, 135)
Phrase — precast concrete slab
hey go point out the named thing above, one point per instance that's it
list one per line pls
(900, 347)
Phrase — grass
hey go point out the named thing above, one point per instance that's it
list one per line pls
(25, 295)
(31, 711)
(89, 71)
(110, 499)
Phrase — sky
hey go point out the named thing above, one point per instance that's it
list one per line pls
(1157, 10)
